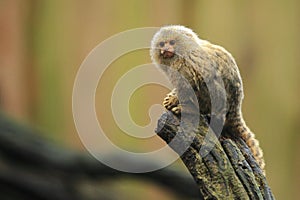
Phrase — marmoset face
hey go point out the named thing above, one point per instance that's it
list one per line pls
(172, 43)
(167, 48)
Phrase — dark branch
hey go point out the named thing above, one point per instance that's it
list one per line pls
(33, 168)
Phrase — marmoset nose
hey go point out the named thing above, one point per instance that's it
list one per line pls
(167, 51)
(166, 47)
(163, 49)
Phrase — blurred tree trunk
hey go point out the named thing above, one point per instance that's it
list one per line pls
(13, 80)
(188, 12)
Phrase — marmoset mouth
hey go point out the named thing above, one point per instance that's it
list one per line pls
(167, 54)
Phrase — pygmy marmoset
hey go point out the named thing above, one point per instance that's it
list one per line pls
(177, 48)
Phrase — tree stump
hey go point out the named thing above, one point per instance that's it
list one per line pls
(227, 171)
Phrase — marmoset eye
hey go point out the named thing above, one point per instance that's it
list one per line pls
(161, 44)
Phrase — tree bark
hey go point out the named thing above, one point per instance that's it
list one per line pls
(227, 171)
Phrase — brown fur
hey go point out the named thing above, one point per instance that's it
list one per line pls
(201, 63)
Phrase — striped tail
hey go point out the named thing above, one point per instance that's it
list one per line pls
(252, 142)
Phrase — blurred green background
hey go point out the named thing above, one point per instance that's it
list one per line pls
(43, 42)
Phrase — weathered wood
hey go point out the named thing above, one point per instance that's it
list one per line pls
(228, 171)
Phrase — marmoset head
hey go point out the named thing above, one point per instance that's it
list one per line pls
(171, 43)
